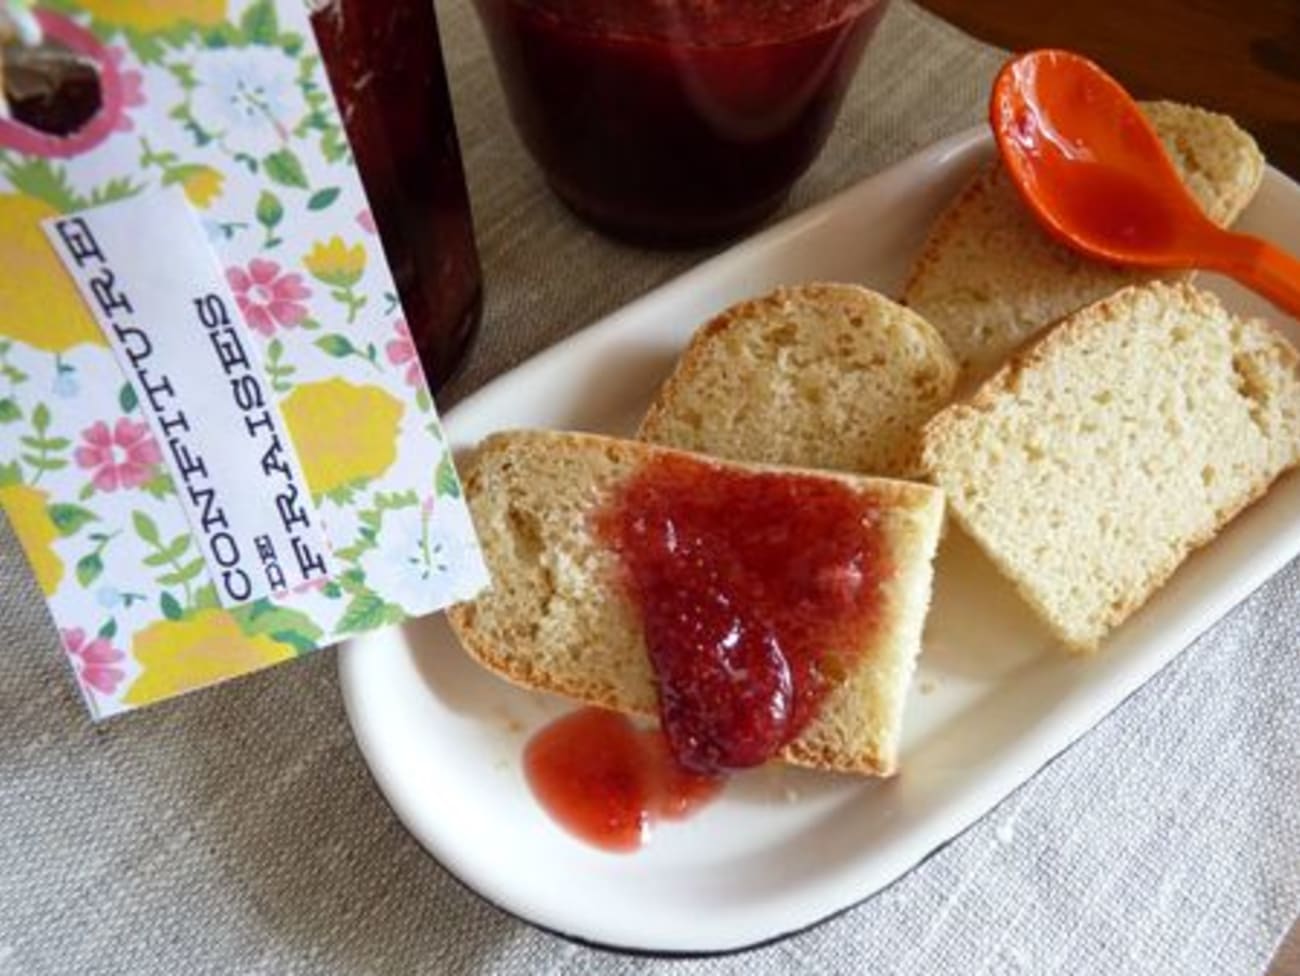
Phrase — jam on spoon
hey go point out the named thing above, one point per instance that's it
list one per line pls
(1090, 167)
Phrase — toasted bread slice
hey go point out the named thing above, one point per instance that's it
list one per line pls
(990, 277)
(1090, 465)
(818, 376)
(558, 617)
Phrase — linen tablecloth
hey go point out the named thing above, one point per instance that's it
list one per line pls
(237, 831)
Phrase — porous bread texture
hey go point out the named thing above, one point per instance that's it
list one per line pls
(825, 375)
(989, 277)
(1095, 461)
(557, 617)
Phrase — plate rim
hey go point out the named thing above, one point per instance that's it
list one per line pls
(962, 815)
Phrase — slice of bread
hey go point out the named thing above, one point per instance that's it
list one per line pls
(817, 376)
(1093, 462)
(559, 619)
(989, 277)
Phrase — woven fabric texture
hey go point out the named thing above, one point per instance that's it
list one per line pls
(237, 830)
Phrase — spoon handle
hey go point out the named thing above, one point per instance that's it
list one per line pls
(1266, 269)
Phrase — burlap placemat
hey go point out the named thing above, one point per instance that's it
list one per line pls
(237, 831)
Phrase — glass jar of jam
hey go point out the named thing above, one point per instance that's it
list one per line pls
(385, 64)
(676, 121)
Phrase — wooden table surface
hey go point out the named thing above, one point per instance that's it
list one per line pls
(1241, 57)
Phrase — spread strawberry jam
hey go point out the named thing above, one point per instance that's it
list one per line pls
(754, 591)
(607, 782)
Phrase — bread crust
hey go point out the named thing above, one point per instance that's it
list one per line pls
(878, 405)
(1049, 352)
(914, 515)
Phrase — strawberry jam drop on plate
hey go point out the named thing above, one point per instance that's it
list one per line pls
(756, 592)
(607, 782)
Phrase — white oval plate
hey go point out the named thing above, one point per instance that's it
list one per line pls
(782, 849)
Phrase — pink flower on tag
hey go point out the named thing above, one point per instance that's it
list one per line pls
(94, 660)
(401, 351)
(367, 221)
(268, 298)
(132, 90)
(121, 458)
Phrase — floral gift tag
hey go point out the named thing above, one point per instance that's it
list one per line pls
(216, 444)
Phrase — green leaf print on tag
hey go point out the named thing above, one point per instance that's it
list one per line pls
(283, 167)
(41, 179)
(120, 188)
(259, 24)
(171, 608)
(89, 568)
(91, 565)
(367, 611)
(69, 519)
(41, 454)
(336, 345)
(270, 211)
(205, 598)
(292, 627)
(323, 198)
(445, 482)
(145, 528)
(160, 485)
(277, 369)
(184, 574)
(170, 552)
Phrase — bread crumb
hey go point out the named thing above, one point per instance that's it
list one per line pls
(509, 721)
(828, 376)
(1081, 467)
(1006, 832)
(556, 620)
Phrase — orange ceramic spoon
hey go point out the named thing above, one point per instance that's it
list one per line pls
(1088, 163)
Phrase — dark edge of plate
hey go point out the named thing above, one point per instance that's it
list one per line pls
(687, 955)
(637, 952)
(668, 954)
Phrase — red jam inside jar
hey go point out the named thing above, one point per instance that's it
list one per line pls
(755, 593)
(676, 121)
(385, 65)
(608, 782)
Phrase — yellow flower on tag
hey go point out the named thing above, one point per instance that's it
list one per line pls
(202, 184)
(39, 304)
(181, 655)
(152, 15)
(28, 514)
(344, 433)
(334, 263)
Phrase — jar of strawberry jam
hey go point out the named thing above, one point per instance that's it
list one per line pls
(676, 121)
(385, 64)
